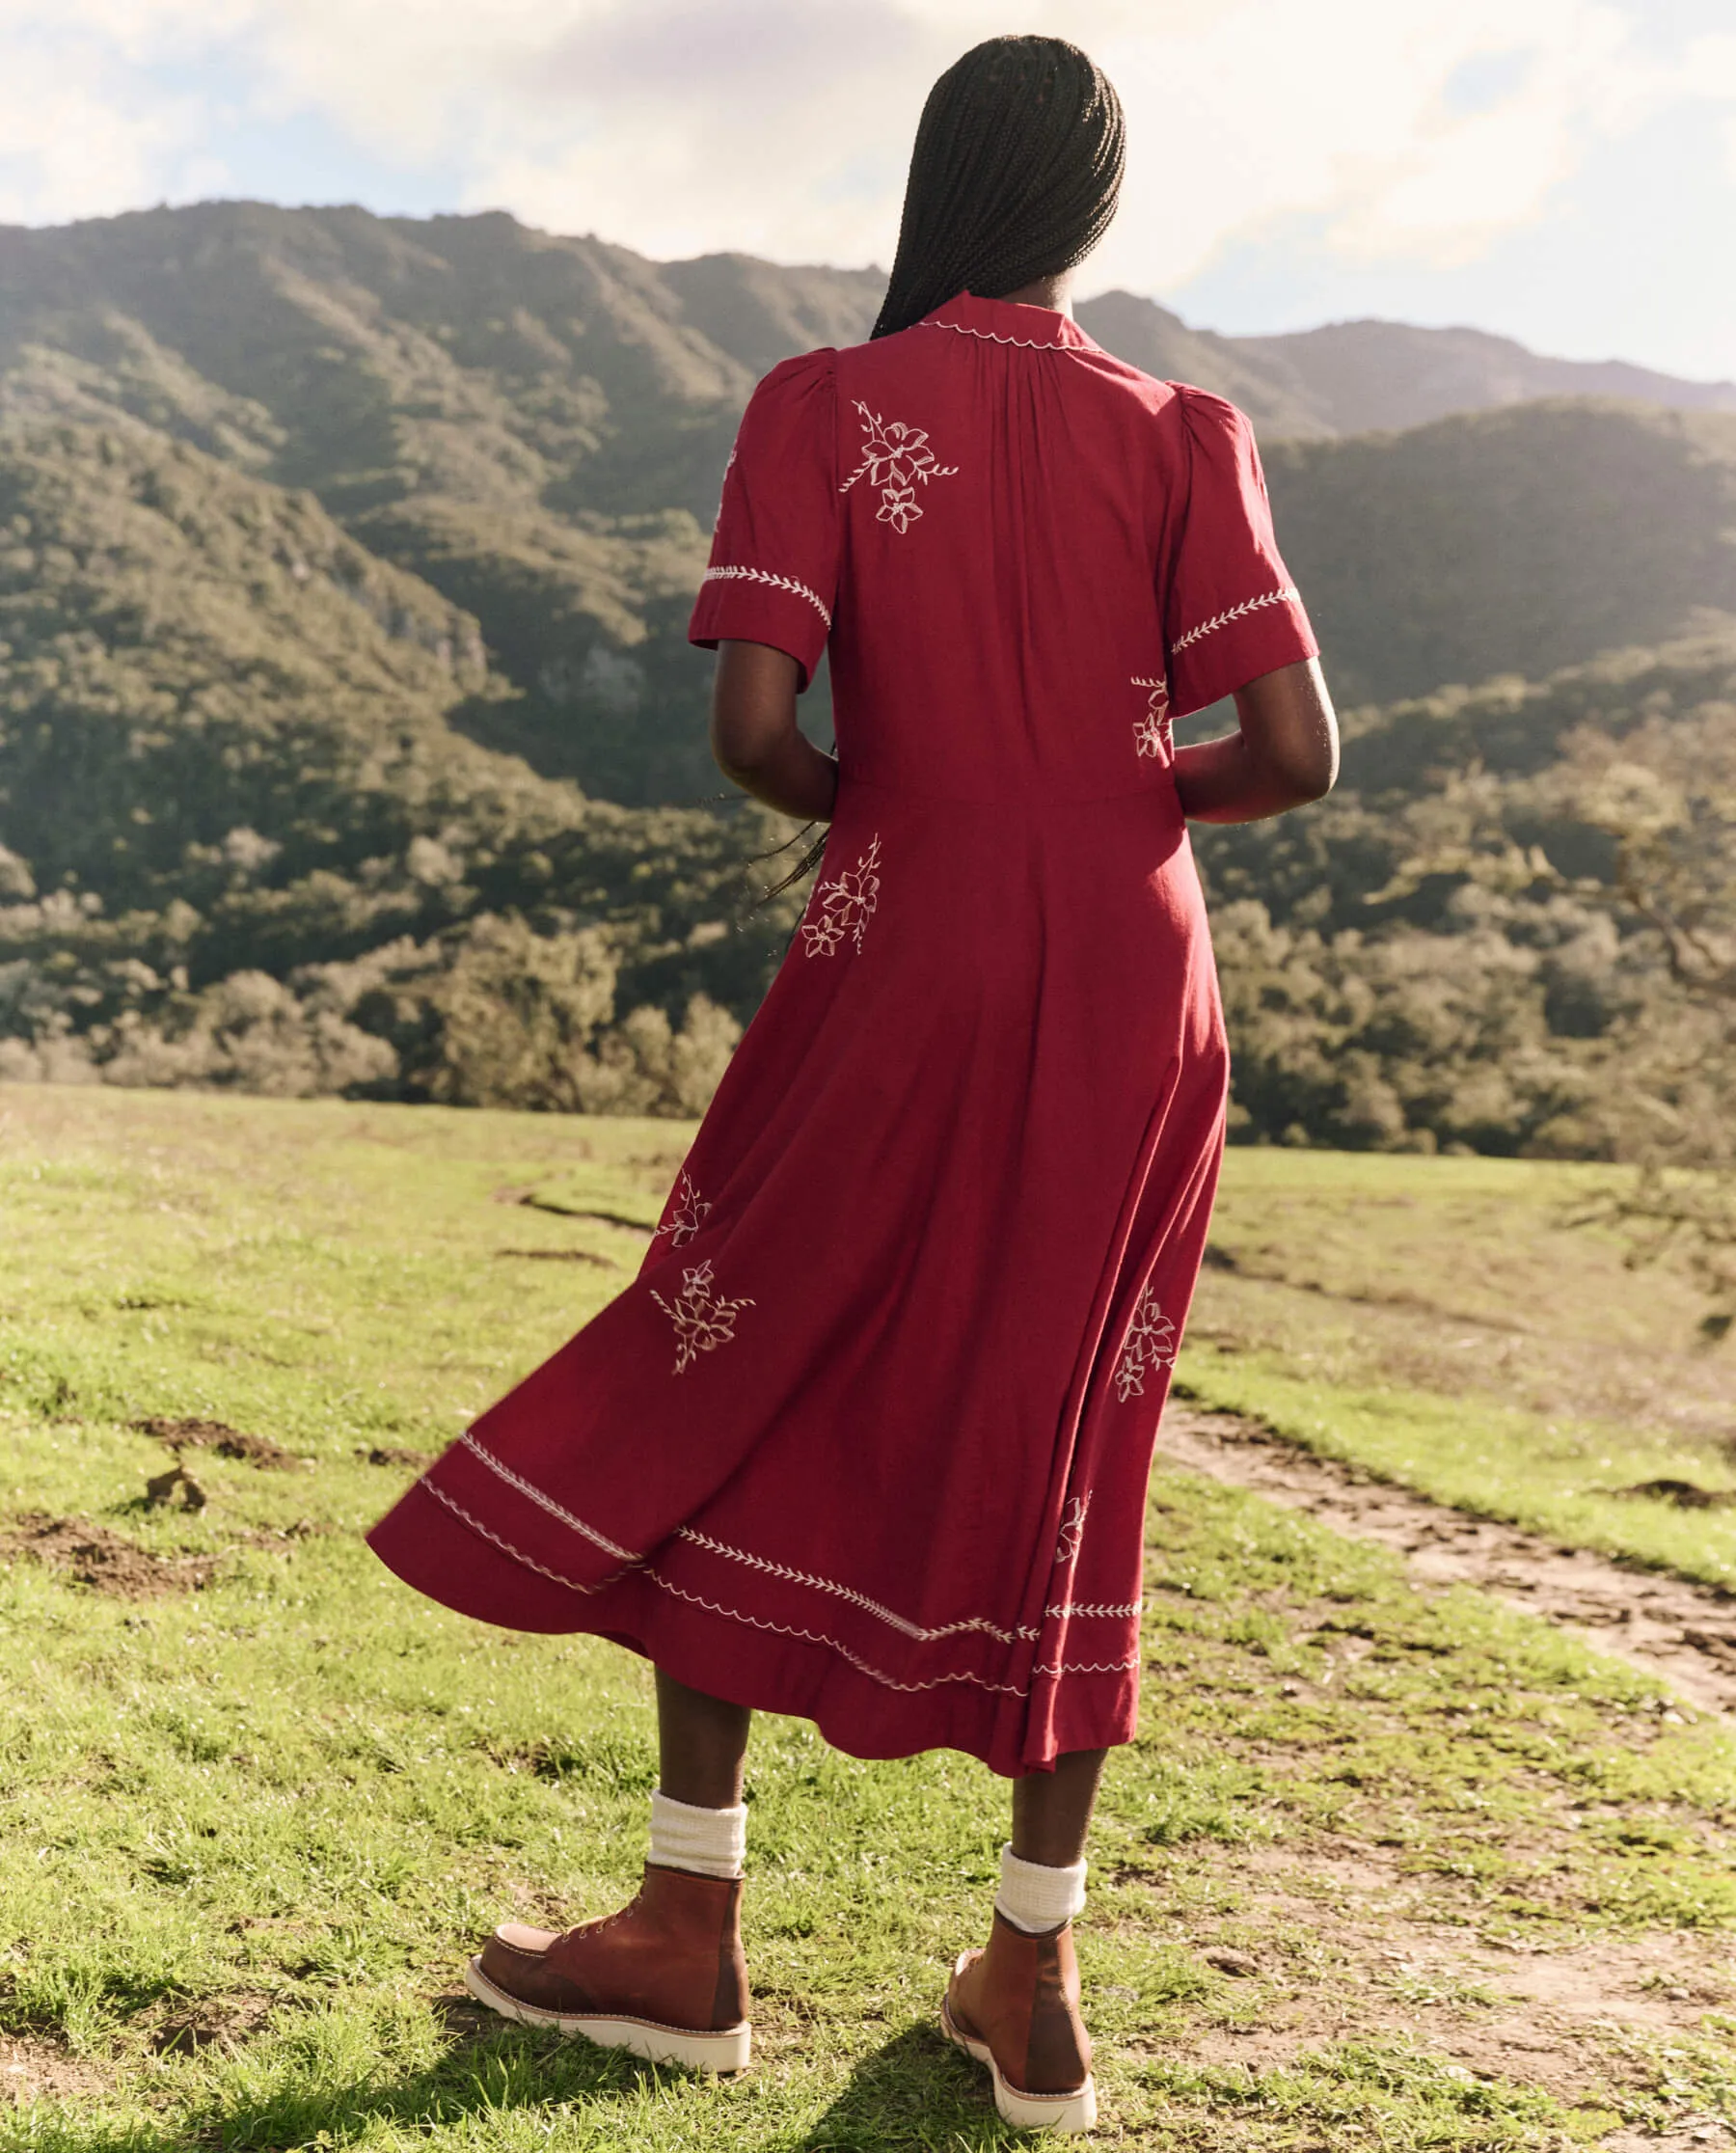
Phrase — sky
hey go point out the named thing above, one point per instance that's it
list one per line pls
(1562, 171)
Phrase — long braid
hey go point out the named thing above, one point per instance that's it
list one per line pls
(1014, 175)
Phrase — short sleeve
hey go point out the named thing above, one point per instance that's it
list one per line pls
(774, 571)
(1231, 611)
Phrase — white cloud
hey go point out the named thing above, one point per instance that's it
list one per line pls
(68, 148)
(781, 126)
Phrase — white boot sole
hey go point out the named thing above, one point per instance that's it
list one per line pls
(728, 2051)
(1067, 2112)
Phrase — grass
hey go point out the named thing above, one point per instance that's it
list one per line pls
(246, 1835)
(1450, 1326)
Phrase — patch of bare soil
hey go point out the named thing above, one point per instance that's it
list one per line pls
(37, 2070)
(384, 1455)
(92, 1555)
(225, 1441)
(222, 2022)
(559, 1256)
(1685, 1633)
(1338, 1945)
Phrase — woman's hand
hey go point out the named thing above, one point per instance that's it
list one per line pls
(755, 738)
(1286, 753)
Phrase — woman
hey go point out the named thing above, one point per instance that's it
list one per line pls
(868, 1439)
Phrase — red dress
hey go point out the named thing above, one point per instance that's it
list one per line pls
(867, 1439)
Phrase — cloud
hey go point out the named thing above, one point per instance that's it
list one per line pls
(73, 141)
(1419, 132)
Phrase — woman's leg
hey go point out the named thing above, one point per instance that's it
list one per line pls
(666, 1977)
(701, 1743)
(1051, 1811)
(1016, 2005)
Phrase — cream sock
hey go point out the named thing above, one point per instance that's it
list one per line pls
(710, 1841)
(1035, 1897)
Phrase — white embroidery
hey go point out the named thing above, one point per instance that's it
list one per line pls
(703, 1320)
(1150, 1343)
(542, 1501)
(1069, 1609)
(790, 584)
(688, 1216)
(1211, 627)
(938, 1681)
(896, 459)
(1043, 1673)
(1151, 732)
(987, 335)
(914, 1630)
(844, 906)
(506, 1547)
(1073, 1525)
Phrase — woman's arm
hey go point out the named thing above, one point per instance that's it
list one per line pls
(1286, 753)
(755, 738)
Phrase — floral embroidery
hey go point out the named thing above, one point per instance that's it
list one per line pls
(1151, 732)
(896, 459)
(703, 1320)
(1150, 1343)
(1073, 1527)
(689, 1214)
(1280, 597)
(844, 906)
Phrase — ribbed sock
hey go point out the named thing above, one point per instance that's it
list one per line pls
(1035, 1897)
(711, 1842)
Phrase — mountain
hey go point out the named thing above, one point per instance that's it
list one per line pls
(1514, 541)
(242, 838)
(333, 548)
(1356, 377)
(533, 425)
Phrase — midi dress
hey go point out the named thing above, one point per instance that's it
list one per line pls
(867, 1438)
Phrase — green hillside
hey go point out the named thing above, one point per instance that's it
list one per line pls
(1373, 1009)
(333, 548)
(534, 425)
(1508, 541)
(227, 752)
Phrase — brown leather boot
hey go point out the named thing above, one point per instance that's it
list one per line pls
(666, 1977)
(1016, 2007)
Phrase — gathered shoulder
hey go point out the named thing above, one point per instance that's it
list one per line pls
(1212, 422)
(792, 380)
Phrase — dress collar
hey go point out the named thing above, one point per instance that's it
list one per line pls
(1002, 322)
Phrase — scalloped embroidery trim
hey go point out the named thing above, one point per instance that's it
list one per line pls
(900, 1623)
(1285, 597)
(796, 587)
(786, 1629)
(506, 1547)
(879, 1675)
(1062, 1610)
(987, 335)
(548, 1503)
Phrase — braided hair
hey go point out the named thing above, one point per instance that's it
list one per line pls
(1014, 175)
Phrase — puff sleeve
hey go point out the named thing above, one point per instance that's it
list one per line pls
(773, 572)
(1231, 610)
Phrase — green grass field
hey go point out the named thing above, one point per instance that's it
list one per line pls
(1385, 1869)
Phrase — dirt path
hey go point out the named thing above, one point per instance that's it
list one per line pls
(1686, 1633)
